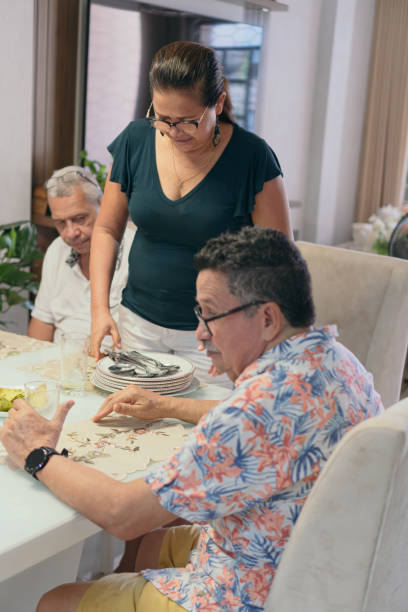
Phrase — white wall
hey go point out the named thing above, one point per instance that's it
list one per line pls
(16, 109)
(354, 112)
(313, 91)
(286, 88)
(114, 35)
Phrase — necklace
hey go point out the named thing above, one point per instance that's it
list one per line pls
(180, 182)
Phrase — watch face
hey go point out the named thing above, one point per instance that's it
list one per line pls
(35, 460)
(38, 458)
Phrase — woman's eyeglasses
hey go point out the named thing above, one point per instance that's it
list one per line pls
(189, 127)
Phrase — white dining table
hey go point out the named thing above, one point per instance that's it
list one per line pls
(41, 537)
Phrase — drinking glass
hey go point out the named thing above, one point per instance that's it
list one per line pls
(42, 395)
(74, 362)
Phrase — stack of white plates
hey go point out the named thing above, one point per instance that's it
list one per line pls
(181, 381)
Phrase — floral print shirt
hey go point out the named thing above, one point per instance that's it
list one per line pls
(249, 464)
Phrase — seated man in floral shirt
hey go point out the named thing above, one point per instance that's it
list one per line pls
(249, 464)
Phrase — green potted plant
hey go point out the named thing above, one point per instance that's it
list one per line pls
(98, 169)
(18, 250)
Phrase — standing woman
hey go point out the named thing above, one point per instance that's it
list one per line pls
(185, 174)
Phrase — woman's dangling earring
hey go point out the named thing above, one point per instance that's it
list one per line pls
(217, 134)
(162, 133)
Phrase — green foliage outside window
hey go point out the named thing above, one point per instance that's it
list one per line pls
(99, 170)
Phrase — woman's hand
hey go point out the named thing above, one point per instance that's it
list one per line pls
(24, 429)
(133, 401)
(103, 325)
(106, 236)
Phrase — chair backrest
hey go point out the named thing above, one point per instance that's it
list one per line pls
(366, 295)
(348, 551)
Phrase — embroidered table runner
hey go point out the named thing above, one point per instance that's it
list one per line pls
(51, 369)
(117, 445)
(120, 445)
(14, 344)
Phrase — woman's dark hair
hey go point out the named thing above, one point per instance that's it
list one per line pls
(262, 264)
(188, 65)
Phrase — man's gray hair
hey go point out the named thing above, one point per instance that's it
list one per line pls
(262, 264)
(63, 182)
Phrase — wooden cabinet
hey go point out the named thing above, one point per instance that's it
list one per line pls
(56, 91)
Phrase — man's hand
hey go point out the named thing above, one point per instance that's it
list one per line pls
(149, 406)
(136, 402)
(24, 429)
(103, 325)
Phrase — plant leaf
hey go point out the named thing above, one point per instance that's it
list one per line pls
(14, 298)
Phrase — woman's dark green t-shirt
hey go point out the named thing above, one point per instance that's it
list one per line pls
(161, 283)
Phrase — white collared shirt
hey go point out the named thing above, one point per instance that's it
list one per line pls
(64, 296)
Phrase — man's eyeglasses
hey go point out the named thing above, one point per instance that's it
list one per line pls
(190, 127)
(205, 320)
(69, 177)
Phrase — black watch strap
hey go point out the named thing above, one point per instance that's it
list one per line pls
(39, 457)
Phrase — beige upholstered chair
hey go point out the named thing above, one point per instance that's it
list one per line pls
(348, 551)
(366, 295)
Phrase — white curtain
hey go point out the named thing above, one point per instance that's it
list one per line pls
(383, 166)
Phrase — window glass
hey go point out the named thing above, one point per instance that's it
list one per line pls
(238, 47)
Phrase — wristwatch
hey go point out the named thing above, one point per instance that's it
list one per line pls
(39, 457)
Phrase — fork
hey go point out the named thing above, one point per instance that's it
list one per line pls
(136, 357)
(154, 362)
(150, 367)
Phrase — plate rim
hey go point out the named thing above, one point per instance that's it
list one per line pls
(142, 382)
(194, 381)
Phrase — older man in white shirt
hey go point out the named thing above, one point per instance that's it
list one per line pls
(63, 300)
